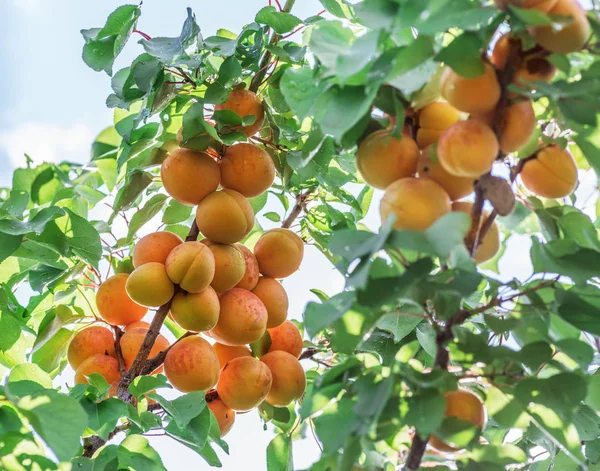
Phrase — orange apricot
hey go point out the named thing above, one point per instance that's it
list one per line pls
(456, 187)
(287, 338)
(490, 244)
(155, 247)
(245, 103)
(551, 174)
(434, 119)
(191, 265)
(224, 415)
(149, 285)
(229, 352)
(471, 95)
(132, 340)
(135, 325)
(247, 169)
(192, 365)
(114, 304)
(541, 5)
(272, 293)
(517, 126)
(104, 365)
(250, 278)
(289, 379)
(94, 340)
(229, 265)
(225, 216)
(572, 36)
(416, 202)
(196, 311)
(244, 383)
(279, 253)
(242, 319)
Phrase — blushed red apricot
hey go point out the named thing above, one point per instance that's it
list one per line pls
(245, 103)
(244, 383)
(149, 285)
(287, 338)
(224, 415)
(250, 278)
(229, 352)
(135, 325)
(132, 340)
(114, 304)
(191, 265)
(225, 216)
(289, 380)
(551, 174)
(472, 95)
(196, 311)
(490, 244)
(192, 365)
(104, 365)
(456, 187)
(155, 247)
(247, 169)
(273, 295)
(572, 36)
(279, 253)
(434, 119)
(229, 265)
(94, 340)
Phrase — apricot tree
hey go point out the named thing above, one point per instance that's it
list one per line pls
(467, 335)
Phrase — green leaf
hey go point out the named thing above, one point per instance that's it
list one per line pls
(184, 408)
(464, 55)
(176, 212)
(8, 245)
(27, 378)
(299, 90)
(272, 216)
(148, 211)
(229, 72)
(83, 239)
(503, 455)
(281, 22)
(52, 352)
(16, 203)
(459, 433)
(143, 384)
(10, 331)
(426, 411)
(104, 415)
(336, 424)
(136, 453)
(338, 8)
(319, 316)
(580, 308)
(136, 182)
(399, 324)
(279, 454)
(35, 224)
(167, 50)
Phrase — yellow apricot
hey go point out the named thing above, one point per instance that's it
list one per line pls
(247, 169)
(456, 187)
(192, 365)
(541, 5)
(382, 159)
(434, 119)
(244, 383)
(225, 216)
(189, 176)
(132, 340)
(571, 37)
(191, 265)
(149, 285)
(224, 415)
(229, 265)
(104, 365)
(416, 202)
(468, 149)
(114, 304)
(155, 247)
(94, 340)
(287, 338)
(272, 293)
(242, 319)
(551, 174)
(491, 241)
(250, 278)
(471, 95)
(279, 253)
(135, 325)
(245, 103)
(196, 311)
(289, 380)
(229, 352)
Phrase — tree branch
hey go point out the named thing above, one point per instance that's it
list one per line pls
(118, 351)
(297, 209)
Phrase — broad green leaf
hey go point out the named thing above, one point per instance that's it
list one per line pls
(83, 238)
(145, 214)
(279, 454)
(137, 181)
(35, 224)
(103, 415)
(184, 408)
(136, 453)
(281, 22)
(464, 55)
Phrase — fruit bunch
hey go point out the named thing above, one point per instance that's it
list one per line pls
(216, 286)
(474, 123)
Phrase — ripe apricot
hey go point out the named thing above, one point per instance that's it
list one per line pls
(229, 352)
(434, 119)
(104, 365)
(189, 176)
(490, 244)
(196, 311)
(229, 265)
(289, 380)
(135, 325)
(382, 159)
(224, 415)
(191, 265)
(244, 383)
(279, 253)
(416, 202)
(250, 278)
(471, 95)
(132, 340)
(94, 340)
(541, 5)
(247, 169)
(272, 293)
(456, 187)
(192, 365)
(149, 285)
(551, 174)
(287, 338)
(242, 320)
(517, 126)
(571, 37)
(468, 149)
(114, 304)
(245, 103)
(463, 405)
(225, 216)
(155, 247)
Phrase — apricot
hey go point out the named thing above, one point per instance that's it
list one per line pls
(229, 265)
(192, 365)
(541, 5)
(104, 365)
(132, 340)
(247, 169)
(471, 95)
(279, 253)
(286, 338)
(94, 340)
(244, 383)
(272, 293)
(114, 304)
(225, 216)
(551, 174)
(289, 380)
(242, 320)
(434, 119)
(135, 325)
(224, 415)
(149, 285)
(196, 311)
(245, 103)
(227, 352)
(517, 126)
(416, 202)
(456, 187)
(490, 244)
(463, 405)
(382, 159)
(571, 37)
(189, 176)
(191, 265)
(468, 149)
(250, 278)
(155, 247)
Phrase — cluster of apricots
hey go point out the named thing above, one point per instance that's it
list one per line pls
(459, 137)
(216, 286)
